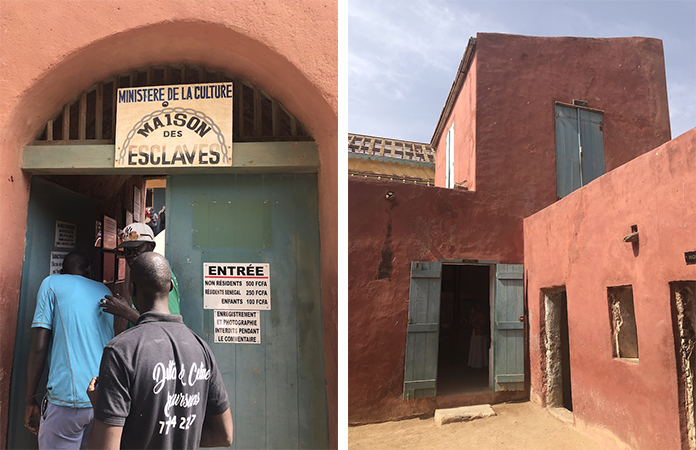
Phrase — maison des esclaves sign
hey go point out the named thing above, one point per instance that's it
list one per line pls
(181, 125)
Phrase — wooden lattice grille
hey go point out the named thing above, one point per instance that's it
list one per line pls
(390, 148)
(91, 116)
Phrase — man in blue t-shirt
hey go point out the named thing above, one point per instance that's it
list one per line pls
(67, 309)
(139, 239)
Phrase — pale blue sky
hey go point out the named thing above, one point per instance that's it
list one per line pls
(403, 54)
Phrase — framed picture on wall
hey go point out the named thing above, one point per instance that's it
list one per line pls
(121, 268)
(137, 205)
(98, 234)
(109, 267)
(109, 233)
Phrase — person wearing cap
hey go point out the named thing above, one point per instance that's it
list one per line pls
(139, 238)
(69, 326)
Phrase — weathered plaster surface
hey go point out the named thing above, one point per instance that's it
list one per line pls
(517, 80)
(578, 243)
(520, 78)
(51, 50)
(418, 224)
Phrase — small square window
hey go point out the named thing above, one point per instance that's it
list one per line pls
(624, 334)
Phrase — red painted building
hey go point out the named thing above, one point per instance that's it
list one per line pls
(528, 120)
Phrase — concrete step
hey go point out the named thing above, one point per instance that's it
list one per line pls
(462, 414)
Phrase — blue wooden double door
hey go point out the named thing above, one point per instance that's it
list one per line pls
(427, 322)
(277, 388)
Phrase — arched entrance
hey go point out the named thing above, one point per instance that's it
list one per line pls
(263, 209)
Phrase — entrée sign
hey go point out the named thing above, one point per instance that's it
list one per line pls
(181, 125)
(239, 286)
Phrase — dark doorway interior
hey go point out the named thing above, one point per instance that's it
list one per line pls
(565, 357)
(558, 378)
(464, 330)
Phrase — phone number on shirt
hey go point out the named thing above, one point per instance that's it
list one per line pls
(185, 423)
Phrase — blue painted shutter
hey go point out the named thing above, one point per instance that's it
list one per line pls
(509, 330)
(420, 368)
(592, 138)
(567, 151)
(575, 167)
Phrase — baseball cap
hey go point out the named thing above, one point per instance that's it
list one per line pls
(136, 234)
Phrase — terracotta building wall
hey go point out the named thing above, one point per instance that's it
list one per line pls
(464, 117)
(577, 243)
(518, 80)
(52, 50)
(418, 224)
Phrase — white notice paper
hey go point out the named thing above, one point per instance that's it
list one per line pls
(66, 234)
(237, 327)
(237, 286)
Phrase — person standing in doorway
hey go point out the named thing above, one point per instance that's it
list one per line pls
(67, 310)
(139, 239)
(162, 218)
(159, 385)
(478, 346)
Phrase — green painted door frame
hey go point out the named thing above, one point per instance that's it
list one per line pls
(48, 203)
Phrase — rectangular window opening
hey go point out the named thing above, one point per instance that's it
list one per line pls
(449, 171)
(624, 334)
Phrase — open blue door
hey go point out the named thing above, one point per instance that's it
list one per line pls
(277, 387)
(422, 341)
(509, 327)
(48, 203)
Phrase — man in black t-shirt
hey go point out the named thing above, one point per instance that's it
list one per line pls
(158, 385)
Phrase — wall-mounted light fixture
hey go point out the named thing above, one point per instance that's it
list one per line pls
(633, 237)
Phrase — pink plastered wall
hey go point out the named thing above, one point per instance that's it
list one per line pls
(577, 243)
(52, 50)
(464, 118)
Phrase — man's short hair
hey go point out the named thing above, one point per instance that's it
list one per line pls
(75, 263)
(151, 273)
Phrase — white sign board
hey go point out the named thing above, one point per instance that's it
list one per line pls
(66, 234)
(237, 327)
(237, 286)
(186, 125)
(57, 262)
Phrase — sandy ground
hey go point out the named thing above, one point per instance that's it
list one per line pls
(517, 426)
